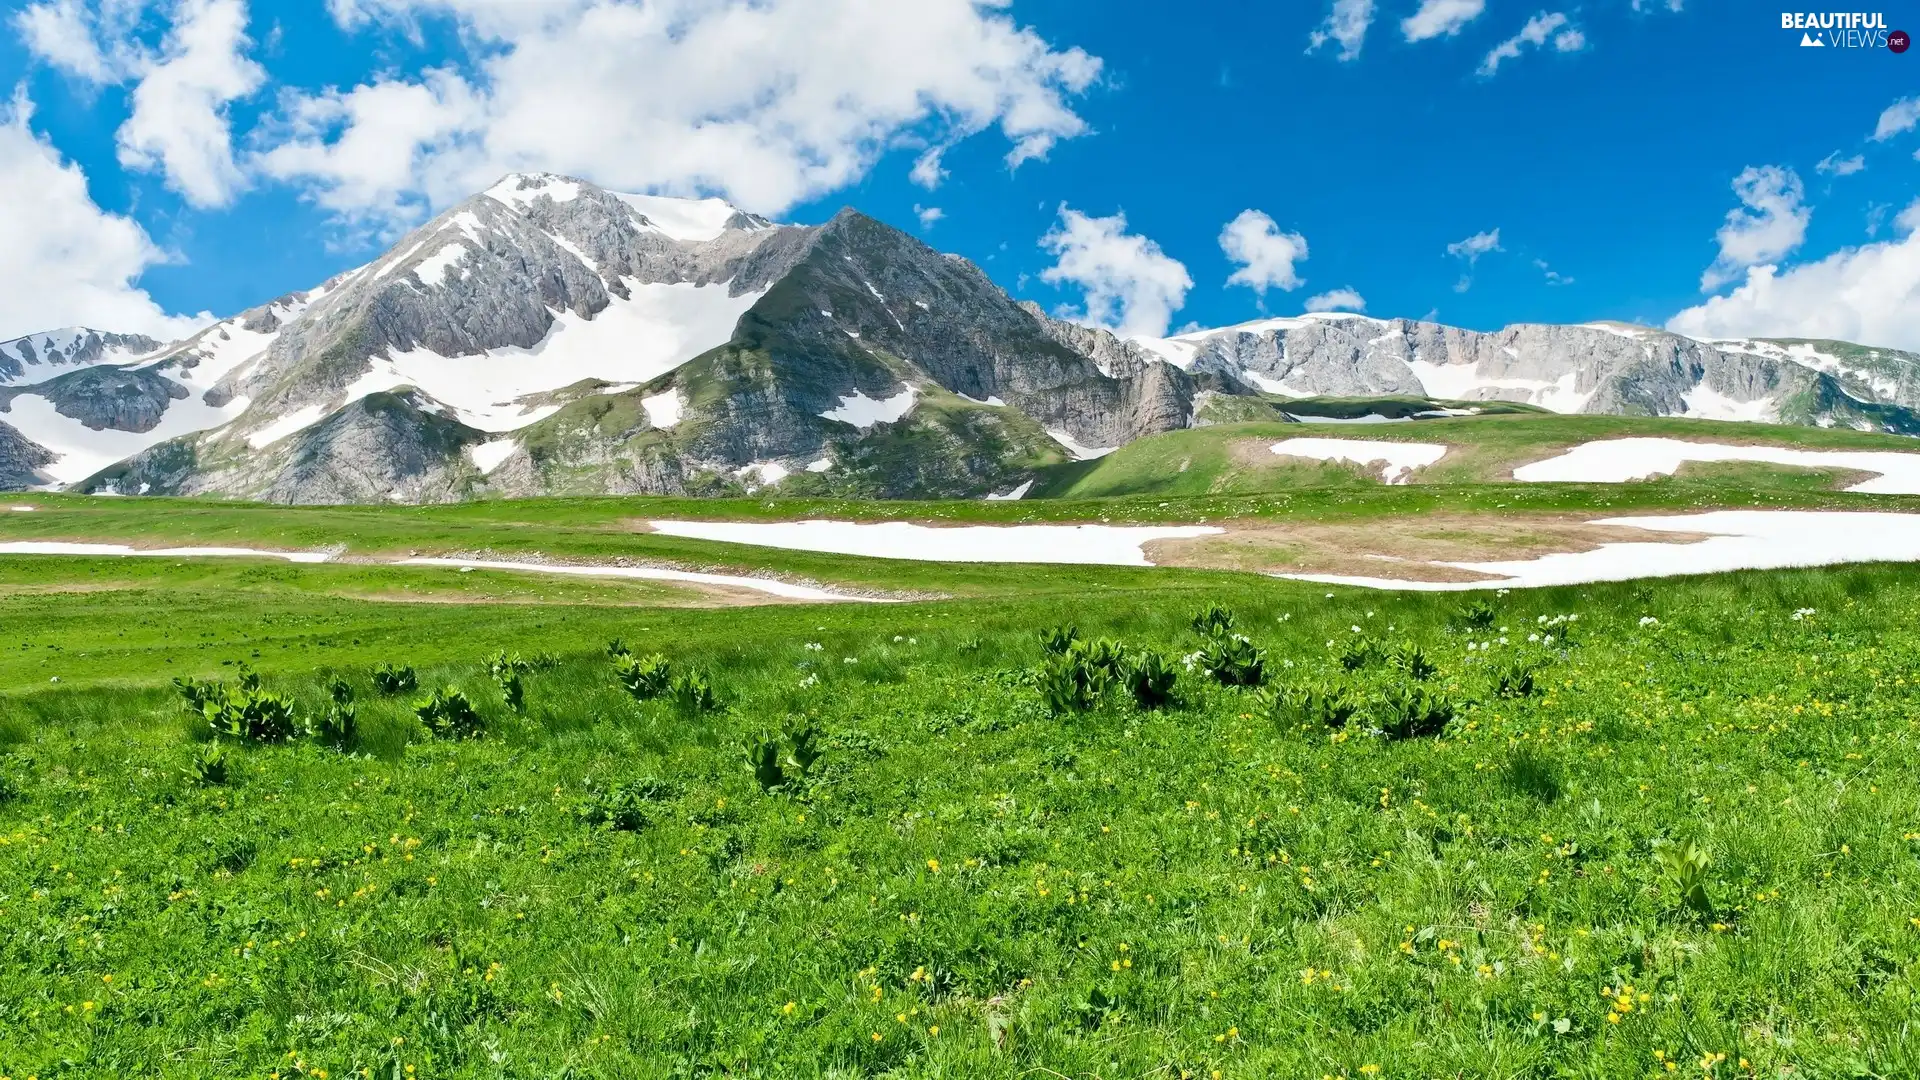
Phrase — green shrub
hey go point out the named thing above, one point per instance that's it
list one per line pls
(391, 680)
(763, 757)
(803, 748)
(1212, 621)
(1056, 641)
(624, 807)
(337, 726)
(1478, 615)
(1106, 654)
(1307, 706)
(243, 712)
(691, 694)
(1411, 712)
(617, 649)
(1360, 652)
(448, 714)
(1415, 663)
(1149, 679)
(508, 671)
(1514, 681)
(1070, 682)
(643, 679)
(209, 766)
(1232, 660)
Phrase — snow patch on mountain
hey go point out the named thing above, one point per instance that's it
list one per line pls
(692, 220)
(82, 451)
(864, 412)
(488, 455)
(1079, 451)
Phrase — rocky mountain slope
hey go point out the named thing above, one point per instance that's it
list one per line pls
(549, 337)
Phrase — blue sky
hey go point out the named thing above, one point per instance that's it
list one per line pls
(232, 151)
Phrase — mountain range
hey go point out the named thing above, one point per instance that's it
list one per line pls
(550, 337)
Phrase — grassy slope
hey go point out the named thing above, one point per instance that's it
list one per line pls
(970, 888)
(1485, 449)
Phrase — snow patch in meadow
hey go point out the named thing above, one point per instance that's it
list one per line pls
(23, 509)
(53, 547)
(864, 412)
(1105, 545)
(648, 573)
(1736, 540)
(1616, 461)
(1397, 459)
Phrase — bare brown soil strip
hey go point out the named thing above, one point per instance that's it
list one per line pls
(1404, 548)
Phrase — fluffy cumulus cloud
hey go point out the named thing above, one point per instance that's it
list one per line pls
(929, 215)
(1897, 119)
(1440, 18)
(1337, 300)
(1546, 30)
(1346, 26)
(1770, 222)
(178, 124)
(1868, 294)
(1131, 286)
(1264, 254)
(766, 102)
(68, 262)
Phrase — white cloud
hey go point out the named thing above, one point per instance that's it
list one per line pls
(1337, 300)
(1554, 277)
(927, 169)
(1438, 18)
(1543, 29)
(766, 103)
(1770, 223)
(1898, 118)
(928, 215)
(1839, 166)
(1131, 286)
(1648, 5)
(69, 263)
(1869, 294)
(61, 32)
(1346, 26)
(179, 123)
(1264, 254)
(1471, 249)
(1475, 246)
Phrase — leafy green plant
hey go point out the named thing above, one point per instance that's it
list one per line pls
(448, 714)
(1149, 679)
(1683, 869)
(763, 757)
(338, 725)
(1057, 640)
(1212, 621)
(1360, 651)
(1307, 706)
(643, 678)
(624, 807)
(803, 748)
(691, 694)
(1411, 712)
(1479, 615)
(1232, 660)
(617, 649)
(209, 766)
(391, 680)
(1414, 662)
(1514, 681)
(244, 712)
(1106, 654)
(10, 790)
(509, 671)
(1070, 682)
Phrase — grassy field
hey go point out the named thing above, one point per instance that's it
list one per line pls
(1230, 459)
(1634, 830)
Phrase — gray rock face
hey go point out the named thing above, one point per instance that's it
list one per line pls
(106, 396)
(21, 460)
